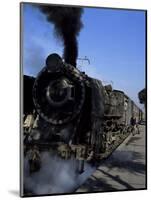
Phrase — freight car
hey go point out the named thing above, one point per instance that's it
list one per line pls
(73, 115)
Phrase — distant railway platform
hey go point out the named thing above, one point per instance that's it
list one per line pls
(125, 169)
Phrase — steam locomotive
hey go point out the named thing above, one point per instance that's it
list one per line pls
(73, 115)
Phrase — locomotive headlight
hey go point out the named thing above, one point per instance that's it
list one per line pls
(59, 92)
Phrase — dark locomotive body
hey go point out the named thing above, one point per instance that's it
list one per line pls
(72, 115)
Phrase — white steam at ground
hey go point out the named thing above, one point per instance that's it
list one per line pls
(55, 176)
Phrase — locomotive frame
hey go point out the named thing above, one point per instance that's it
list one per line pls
(87, 120)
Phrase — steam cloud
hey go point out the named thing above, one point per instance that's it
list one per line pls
(55, 176)
(67, 24)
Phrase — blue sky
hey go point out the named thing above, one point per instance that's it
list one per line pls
(113, 40)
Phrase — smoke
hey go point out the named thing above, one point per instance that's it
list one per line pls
(67, 24)
(55, 176)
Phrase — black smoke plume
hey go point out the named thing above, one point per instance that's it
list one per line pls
(67, 24)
